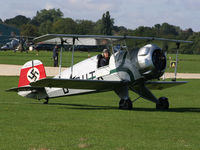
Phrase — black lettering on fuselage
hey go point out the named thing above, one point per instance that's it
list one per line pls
(65, 90)
(100, 78)
(92, 74)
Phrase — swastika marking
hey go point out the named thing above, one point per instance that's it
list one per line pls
(33, 75)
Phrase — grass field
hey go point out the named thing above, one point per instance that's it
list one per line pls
(187, 63)
(94, 122)
(18, 58)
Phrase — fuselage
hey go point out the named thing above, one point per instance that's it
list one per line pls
(84, 70)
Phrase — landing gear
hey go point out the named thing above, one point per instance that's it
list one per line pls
(163, 103)
(47, 100)
(125, 104)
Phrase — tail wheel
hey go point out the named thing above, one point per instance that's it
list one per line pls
(163, 103)
(47, 101)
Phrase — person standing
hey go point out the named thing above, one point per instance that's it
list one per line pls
(55, 56)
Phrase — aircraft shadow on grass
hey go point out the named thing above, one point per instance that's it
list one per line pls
(96, 107)
(180, 109)
(84, 106)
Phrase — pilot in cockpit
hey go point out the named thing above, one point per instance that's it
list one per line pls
(103, 59)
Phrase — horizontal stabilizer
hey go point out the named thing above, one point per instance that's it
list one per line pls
(23, 88)
(159, 85)
(100, 85)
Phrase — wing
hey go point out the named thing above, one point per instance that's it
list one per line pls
(109, 37)
(159, 85)
(99, 85)
(143, 88)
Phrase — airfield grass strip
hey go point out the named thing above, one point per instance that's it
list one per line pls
(94, 121)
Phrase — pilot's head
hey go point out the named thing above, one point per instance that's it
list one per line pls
(106, 53)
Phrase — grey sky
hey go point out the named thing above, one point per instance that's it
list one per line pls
(128, 13)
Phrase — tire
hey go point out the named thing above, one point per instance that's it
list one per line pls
(163, 103)
(125, 104)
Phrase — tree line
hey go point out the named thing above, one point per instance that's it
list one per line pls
(53, 21)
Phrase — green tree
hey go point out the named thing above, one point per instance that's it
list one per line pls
(144, 31)
(65, 26)
(98, 27)
(85, 27)
(45, 15)
(17, 21)
(46, 27)
(156, 29)
(29, 30)
(193, 48)
(120, 30)
(107, 24)
(184, 35)
(168, 30)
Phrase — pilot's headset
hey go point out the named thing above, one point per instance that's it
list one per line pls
(104, 51)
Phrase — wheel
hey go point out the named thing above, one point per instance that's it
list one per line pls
(47, 100)
(163, 103)
(125, 104)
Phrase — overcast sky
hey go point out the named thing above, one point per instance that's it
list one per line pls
(128, 13)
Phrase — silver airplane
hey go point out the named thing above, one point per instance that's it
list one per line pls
(135, 70)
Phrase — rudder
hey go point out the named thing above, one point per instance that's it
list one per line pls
(31, 71)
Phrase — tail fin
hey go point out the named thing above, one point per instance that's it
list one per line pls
(31, 71)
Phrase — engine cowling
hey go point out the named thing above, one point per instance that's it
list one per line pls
(151, 61)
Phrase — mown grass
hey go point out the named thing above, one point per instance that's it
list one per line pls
(186, 64)
(20, 58)
(94, 122)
